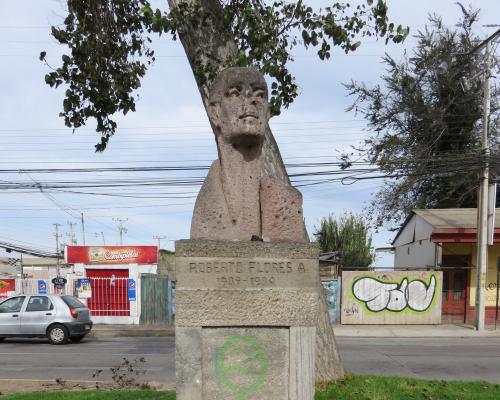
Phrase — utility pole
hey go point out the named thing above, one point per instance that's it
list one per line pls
(101, 235)
(71, 234)
(482, 211)
(57, 236)
(83, 230)
(121, 229)
(159, 238)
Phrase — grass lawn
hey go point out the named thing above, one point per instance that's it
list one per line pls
(94, 395)
(352, 388)
(392, 388)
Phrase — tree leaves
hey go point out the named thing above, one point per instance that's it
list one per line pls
(426, 125)
(349, 235)
(109, 54)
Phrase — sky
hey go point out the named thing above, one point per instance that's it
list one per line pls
(170, 129)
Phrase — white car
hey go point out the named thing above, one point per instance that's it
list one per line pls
(59, 318)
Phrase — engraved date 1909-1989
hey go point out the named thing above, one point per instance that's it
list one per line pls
(248, 281)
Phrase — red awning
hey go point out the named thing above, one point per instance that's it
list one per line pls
(459, 235)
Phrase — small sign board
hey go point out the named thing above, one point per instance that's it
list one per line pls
(42, 287)
(131, 289)
(7, 288)
(83, 288)
(59, 282)
(111, 254)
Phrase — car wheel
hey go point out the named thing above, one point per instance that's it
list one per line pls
(2, 338)
(58, 334)
(77, 339)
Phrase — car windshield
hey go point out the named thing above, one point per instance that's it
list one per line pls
(12, 305)
(72, 302)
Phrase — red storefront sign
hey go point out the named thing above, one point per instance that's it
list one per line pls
(7, 286)
(111, 254)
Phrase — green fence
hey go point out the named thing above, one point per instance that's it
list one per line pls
(155, 295)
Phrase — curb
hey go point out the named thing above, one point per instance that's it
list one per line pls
(12, 386)
(369, 331)
(102, 330)
(130, 333)
(366, 331)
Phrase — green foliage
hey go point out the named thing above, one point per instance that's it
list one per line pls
(94, 395)
(427, 123)
(398, 388)
(353, 387)
(108, 51)
(348, 235)
(104, 67)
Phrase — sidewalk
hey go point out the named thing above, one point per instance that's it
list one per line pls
(412, 331)
(112, 330)
(10, 386)
(101, 330)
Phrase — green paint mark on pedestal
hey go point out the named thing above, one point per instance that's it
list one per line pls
(241, 365)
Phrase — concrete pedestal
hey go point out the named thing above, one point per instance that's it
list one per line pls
(246, 315)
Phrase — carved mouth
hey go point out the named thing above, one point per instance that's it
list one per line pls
(249, 116)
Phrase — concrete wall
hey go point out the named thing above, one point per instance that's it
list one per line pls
(166, 264)
(401, 297)
(491, 277)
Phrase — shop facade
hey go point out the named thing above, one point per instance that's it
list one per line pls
(446, 240)
(107, 279)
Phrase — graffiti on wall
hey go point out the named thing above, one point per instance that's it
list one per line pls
(332, 293)
(241, 365)
(378, 295)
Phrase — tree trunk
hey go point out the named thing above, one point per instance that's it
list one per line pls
(214, 46)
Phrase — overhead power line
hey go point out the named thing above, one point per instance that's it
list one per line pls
(27, 250)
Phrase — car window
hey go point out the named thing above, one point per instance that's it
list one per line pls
(72, 302)
(12, 305)
(39, 303)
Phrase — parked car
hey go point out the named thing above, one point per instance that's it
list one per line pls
(57, 317)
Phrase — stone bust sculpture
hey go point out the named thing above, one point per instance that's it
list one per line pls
(235, 201)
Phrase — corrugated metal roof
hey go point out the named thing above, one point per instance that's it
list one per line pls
(329, 256)
(453, 217)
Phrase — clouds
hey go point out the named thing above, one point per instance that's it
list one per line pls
(169, 128)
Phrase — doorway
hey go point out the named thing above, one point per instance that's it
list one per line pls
(109, 292)
(455, 281)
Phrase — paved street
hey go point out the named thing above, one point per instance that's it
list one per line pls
(37, 359)
(431, 358)
(436, 358)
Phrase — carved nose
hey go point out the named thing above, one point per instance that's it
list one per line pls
(249, 108)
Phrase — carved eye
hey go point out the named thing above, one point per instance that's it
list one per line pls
(233, 92)
(260, 93)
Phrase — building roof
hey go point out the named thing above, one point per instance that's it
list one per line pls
(41, 261)
(332, 256)
(448, 218)
(7, 266)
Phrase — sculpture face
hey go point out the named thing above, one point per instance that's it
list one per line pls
(239, 107)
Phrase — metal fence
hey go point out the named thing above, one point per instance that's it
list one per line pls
(32, 286)
(108, 297)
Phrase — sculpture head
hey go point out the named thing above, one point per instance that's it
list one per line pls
(238, 106)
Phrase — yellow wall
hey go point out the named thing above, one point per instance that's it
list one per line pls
(491, 279)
